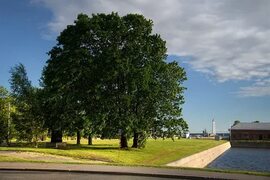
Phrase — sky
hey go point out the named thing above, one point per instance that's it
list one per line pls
(223, 45)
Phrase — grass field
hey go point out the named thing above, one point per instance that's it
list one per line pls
(156, 152)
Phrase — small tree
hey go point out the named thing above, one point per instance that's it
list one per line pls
(27, 119)
(236, 122)
(6, 109)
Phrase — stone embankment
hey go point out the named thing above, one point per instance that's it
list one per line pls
(201, 159)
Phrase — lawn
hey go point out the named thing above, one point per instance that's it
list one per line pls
(156, 152)
(11, 159)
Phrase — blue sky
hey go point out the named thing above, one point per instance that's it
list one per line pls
(224, 49)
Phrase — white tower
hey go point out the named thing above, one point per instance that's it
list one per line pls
(213, 127)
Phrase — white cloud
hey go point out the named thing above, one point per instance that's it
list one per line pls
(228, 39)
(254, 91)
(260, 88)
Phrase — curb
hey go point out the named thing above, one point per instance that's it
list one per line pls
(112, 173)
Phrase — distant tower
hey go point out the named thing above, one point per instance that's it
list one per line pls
(213, 127)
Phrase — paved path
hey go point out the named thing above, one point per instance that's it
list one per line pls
(124, 171)
(41, 157)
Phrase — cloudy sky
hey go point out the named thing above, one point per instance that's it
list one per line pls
(224, 46)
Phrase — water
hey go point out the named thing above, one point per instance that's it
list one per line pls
(249, 159)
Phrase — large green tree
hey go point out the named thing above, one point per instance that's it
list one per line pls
(112, 70)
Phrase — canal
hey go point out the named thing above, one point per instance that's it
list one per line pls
(249, 159)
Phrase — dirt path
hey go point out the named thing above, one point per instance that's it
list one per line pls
(33, 156)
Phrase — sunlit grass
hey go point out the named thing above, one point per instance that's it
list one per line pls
(156, 152)
(11, 159)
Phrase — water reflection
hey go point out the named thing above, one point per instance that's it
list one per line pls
(250, 159)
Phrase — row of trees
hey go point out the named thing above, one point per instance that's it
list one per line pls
(106, 76)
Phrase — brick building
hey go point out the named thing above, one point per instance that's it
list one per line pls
(250, 131)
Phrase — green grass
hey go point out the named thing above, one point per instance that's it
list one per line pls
(11, 159)
(157, 152)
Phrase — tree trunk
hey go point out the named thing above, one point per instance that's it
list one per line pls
(135, 140)
(163, 136)
(90, 139)
(56, 136)
(78, 137)
(123, 141)
(36, 140)
(7, 141)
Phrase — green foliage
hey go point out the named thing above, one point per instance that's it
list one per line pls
(109, 72)
(4, 114)
(26, 119)
(107, 75)
(142, 139)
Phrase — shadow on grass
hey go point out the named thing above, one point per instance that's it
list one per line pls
(68, 147)
(89, 147)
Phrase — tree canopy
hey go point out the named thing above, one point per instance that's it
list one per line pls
(110, 72)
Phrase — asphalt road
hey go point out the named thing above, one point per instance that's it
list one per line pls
(41, 175)
(40, 171)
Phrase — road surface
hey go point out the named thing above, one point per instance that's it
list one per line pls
(42, 175)
(83, 171)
